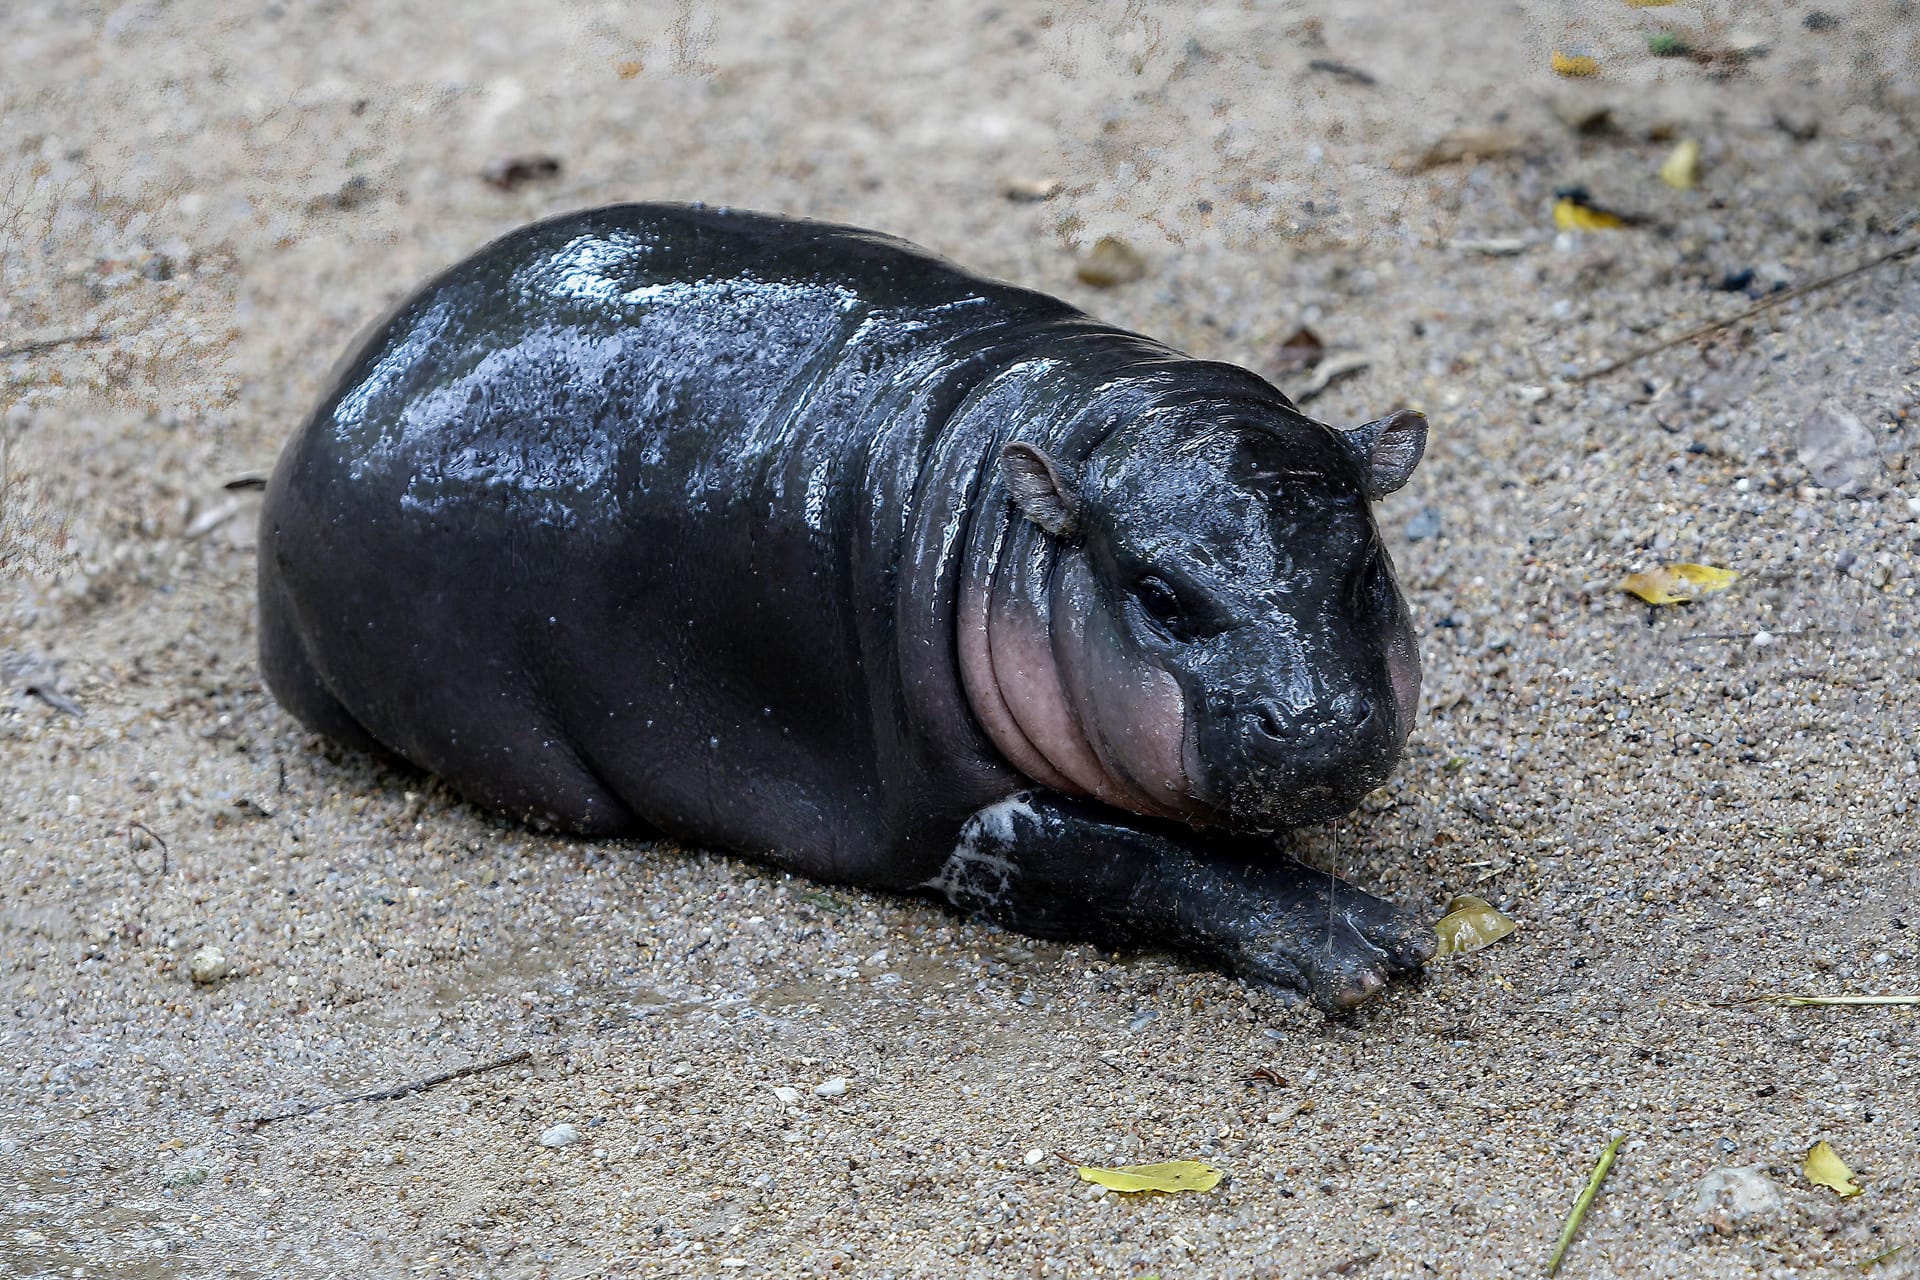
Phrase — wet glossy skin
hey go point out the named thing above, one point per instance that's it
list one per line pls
(657, 518)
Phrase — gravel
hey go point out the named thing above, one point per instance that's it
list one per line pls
(203, 204)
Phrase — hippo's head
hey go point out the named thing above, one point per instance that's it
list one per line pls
(1228, 642)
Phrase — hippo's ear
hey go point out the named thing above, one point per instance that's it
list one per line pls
(1041, 489)
(1389, 449)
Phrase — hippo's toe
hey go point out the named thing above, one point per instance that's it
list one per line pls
(1336, 968)
(1406, 942)
(1328, 940)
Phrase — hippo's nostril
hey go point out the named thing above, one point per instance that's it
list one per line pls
(1267, 719)
(1360, 710)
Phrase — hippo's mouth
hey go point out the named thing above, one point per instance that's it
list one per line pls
(1269, 798)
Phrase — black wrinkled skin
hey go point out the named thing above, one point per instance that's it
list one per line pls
(653, 518)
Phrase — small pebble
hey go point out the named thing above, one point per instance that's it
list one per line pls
(787, 1094)
(1582, 114)
(1494, 246)
(1035, 1156)
(512, 172)
(1032, 190)
(1797, 122)
(208, 965)
(560, 1135)
(1681, 171)
(1425, 524)
(832, 1088)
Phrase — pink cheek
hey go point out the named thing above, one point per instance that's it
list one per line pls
(1163, 720)
(1143, 723)
(1403, 668)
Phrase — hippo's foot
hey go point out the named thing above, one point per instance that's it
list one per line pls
(1051, 865)
(1291, 926)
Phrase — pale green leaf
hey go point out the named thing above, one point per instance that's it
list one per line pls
(1470, 924)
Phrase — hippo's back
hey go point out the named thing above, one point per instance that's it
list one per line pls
(644, 344)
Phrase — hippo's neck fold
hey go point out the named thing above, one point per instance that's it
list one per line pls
(1008, 637)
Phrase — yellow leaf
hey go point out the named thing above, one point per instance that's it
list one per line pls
(1678, 583)
(1176, 1175)
(1570, 215)
(1682, 168)
(1826, 1169)
(1470, 924)
(1574, 64)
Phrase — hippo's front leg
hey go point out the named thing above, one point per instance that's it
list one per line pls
(1047, 864)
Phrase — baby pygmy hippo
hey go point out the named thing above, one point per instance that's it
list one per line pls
(795, 540)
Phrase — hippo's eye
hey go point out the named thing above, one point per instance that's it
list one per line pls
(1369, 583)
(1159, 600)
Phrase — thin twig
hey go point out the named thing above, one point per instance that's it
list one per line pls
(1329, 372)
(34, 346)
(1351, 74)
(1803, 1001)
(399, 1091)
(1352, 1264)
(151, 835)
(48, 693)
(1581, 1205)
(1788, 295)
(1750, 635)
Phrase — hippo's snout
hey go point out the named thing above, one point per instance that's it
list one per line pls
(1280, 767)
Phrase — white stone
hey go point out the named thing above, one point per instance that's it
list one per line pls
(832, 1088)
(1742, 1193)
(1838, 449)
(208, 965)
(560, 1135)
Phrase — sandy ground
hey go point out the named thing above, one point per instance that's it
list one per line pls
(1683, 807)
